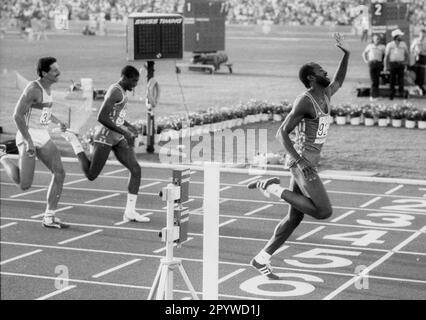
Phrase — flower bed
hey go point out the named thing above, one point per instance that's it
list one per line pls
(216, 119)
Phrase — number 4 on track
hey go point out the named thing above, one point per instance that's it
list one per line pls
(359, 238)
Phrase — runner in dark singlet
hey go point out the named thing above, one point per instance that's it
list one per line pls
(115, 134)
(310, 119)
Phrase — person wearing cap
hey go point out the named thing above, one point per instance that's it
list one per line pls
(418, 50)
(373, 55)
(396, 60)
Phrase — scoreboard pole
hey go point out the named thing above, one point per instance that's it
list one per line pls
(150, 134)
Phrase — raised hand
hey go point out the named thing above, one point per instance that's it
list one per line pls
(339, 42)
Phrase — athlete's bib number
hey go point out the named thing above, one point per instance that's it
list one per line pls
(120, 118)
(45, 116)
(322, 131)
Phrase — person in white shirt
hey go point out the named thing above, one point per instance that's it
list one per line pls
(396, 61)
(418, 50)
(373, 55)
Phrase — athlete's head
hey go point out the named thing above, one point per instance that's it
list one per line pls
(129, 77)
(47, 68)
(312, 73)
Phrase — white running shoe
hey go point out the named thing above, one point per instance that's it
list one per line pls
(135, 216)
(53, 222)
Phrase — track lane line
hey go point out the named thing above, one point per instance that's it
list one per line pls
(80, 237)
(102, 198)
(2, 263)
(258, 209)
(342, 216)
(237, 264)
(200, 234)
(394, 189)
(227, 222)
(55, 293)
(308, 234)
(366, 204)
(4, 226)
(57, 210)
(375, 264)
(231, 275)
(121, 266)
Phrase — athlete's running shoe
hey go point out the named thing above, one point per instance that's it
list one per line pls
(53, 222)
(263, 184)
(135, 216)
(264, 269)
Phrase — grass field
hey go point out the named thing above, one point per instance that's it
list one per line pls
(265, 68)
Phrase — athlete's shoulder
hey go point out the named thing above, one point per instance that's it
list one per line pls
(302, 104)
(33, 90)
(114, 93)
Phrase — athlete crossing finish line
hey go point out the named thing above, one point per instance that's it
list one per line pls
(115, 134)
(306, 194)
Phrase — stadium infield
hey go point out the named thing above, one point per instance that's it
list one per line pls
(371, 248)
(265, 68)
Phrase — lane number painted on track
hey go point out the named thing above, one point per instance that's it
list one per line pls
(359, 238)
(281, 288)
(329, 255)
(392, 220)
(413, 205)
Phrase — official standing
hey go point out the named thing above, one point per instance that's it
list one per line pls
(373, 55)
(396, 61)
(418, 50)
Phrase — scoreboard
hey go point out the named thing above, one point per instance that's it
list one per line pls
(388, 15)
(204, 28)
(152, 36)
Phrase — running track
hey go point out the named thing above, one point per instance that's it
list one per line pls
(373, 247)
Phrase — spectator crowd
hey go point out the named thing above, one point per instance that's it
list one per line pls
(288, 12)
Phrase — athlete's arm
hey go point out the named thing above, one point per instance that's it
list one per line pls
(22, 107)
(55, 120)
(106, 109)
(302, 108)
(130, 127)
(340, 74)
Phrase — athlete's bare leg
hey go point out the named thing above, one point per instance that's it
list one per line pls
(314, 201)
(51, 158)
(24, 174)
(126, 156)
(286, 226)
(93, 168)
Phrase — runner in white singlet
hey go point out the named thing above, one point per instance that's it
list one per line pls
(33, 113)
